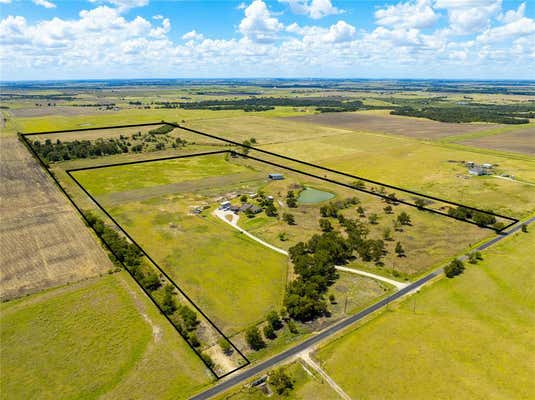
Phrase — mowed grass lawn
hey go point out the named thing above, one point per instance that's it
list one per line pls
(233, 279)
(468, 337)
(99, 338)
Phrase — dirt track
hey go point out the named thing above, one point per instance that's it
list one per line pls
(43, 242)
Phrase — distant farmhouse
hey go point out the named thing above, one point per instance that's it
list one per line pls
(276, 177)
(245, 207)
(479, 170)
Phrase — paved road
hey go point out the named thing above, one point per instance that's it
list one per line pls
(307, 344)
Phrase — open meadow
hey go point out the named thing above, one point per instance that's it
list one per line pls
(432, 169)
(100, 338)
(471, 336)
(233, 279)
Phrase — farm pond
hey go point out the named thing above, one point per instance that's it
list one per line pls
(311, 196)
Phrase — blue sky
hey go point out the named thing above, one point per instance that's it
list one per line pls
(459, 39)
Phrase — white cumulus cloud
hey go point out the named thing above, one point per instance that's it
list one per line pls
(513, 15)
(315, 9)
(123, 5)
(412, 14)
(469, 16)
(193, 35)
(105, 42)
(44, 3)
(258, 24)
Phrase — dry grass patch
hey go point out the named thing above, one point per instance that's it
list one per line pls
(419, 128)
(44, 241)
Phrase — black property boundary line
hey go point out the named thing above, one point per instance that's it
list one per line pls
(513, 220)
(154, 262)
(422, 208)
(43, 164)
(108, 247)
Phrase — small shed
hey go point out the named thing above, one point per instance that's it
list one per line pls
(276, 177)
(487, 166)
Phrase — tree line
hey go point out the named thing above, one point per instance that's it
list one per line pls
(266, 103)
(461, 114)
(163, 293)
(54, 151)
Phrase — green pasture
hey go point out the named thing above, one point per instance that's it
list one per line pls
(138, 176)
(132, 116)
(468, 337)
(233, 279)
(423, 166)
(264, 130)
(100, 338)
(429, 240)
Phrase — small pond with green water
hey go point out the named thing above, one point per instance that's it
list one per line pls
(310, 196)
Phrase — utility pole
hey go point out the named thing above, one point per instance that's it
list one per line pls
(345, 305)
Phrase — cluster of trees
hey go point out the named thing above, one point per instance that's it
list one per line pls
(281, 382)
(291, 200)
(273, 324)
(367, 249)
(332, 209)
(480, 218)
(454, 268)
(474, 257)
(69, 150)
(288, 218)
(268, 103)
(60, 151)
(461, 114)
(125, 252)
(162, 130)
(314, 263)
(267, 204)
(105, 105)
(186, 321)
